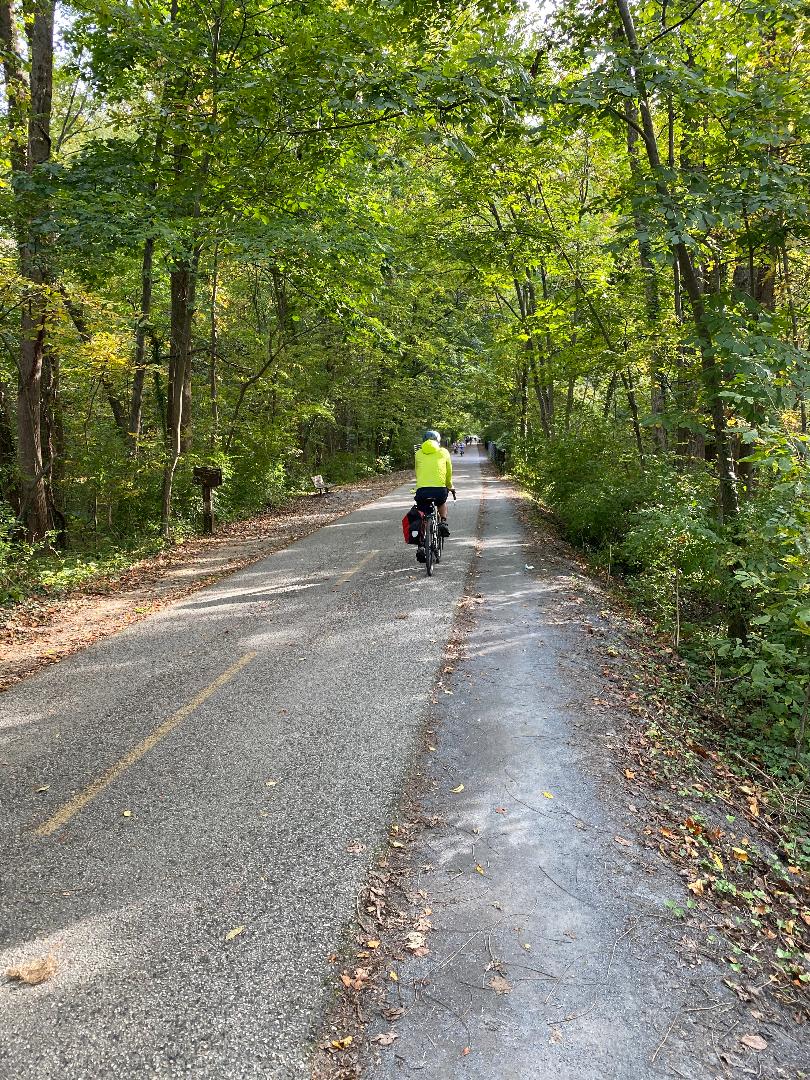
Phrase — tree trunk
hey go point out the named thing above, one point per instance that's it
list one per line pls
(712, 380)
(9, 488)
(651, 298)
(28, 119)
(794, 327)
(136, 400)
(183, 280)
(633, 405)
(212, 352)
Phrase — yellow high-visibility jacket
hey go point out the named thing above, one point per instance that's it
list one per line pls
(434, 467)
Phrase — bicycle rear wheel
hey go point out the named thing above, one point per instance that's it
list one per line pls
(429, 548)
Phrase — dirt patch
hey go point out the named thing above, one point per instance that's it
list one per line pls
(39, 632)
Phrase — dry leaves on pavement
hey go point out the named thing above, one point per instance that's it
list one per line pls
(500, 985)
(754, 1042)
(34, 972)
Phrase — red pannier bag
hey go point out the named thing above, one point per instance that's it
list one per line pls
(411, 524)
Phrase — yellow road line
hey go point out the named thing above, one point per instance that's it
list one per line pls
(61, 817)
(350, 573)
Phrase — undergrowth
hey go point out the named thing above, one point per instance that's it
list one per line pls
(736, 605)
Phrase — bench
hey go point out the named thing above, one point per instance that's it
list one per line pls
(320, 485)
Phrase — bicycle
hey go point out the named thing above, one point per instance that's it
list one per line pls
(430, 536)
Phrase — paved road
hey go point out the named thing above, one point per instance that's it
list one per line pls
(206, 770)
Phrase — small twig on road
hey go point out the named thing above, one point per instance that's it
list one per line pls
(495, 964)
(710, 1008)
(667, 1033)
(573, 896)
(438, 1001)
(573, 1016)
(558, 980)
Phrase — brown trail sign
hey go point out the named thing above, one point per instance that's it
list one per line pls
(208, 477)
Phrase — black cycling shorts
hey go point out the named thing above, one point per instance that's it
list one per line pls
(438, 495)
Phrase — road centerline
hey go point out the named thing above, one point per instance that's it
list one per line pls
(78, 802)
(350, 573)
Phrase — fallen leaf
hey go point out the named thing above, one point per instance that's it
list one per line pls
(44, 788)
(556, 1036)
(621, 840)
(456, 790)
(465, 1051)
(396, 843)
(385, 1038)
(754, 1042)
(526, 946)
(126, 813)
(547, 795)
(740, 854)
(392, 975)
(500, 985)
(501, 810)
(35, 971)
(373, 944)
(415, 941)
(478, 868)
(718, 862)
(696, 887)
(629, 774)
(342, 1044)
(753, 806)
(356, 980)
(356, 847)
(237, 930)
(270, 783)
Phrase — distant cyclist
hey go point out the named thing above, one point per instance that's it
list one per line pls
(434, 477)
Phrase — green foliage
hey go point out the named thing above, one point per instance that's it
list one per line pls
(590, 477)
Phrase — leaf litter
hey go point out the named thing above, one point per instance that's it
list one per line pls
(34, 972)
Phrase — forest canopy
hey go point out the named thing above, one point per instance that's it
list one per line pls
(281, 239)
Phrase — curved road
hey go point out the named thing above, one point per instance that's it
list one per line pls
(213, 768)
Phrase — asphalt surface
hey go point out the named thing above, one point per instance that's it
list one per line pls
(231, 762)
(553, 950)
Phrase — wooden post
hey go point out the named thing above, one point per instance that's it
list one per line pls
(208, 510)
(208, 477)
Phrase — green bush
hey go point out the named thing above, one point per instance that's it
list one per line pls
(657, 529)
(673, 555)
(772, 668)
(591, 481)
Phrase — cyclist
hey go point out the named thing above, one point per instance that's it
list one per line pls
(434, 477)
